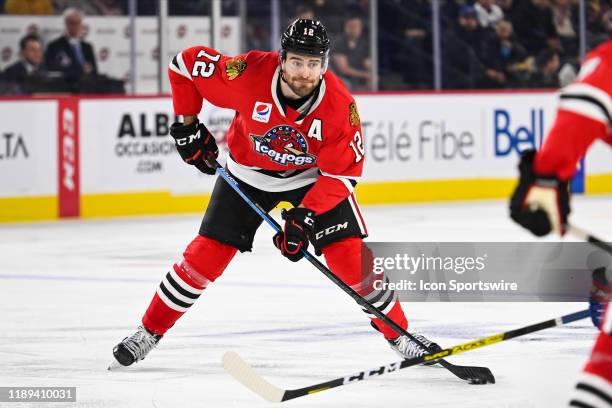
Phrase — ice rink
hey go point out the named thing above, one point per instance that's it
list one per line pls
(70, 290)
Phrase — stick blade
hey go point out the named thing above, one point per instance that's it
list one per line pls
(244, 374)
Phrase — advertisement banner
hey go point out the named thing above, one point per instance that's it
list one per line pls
(421, 137)
(28, 148)
(126, 147)
(69, 168)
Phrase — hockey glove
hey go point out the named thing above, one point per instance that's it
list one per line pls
(601, 292)
(299, 228)
(195, 143)
(539, 203)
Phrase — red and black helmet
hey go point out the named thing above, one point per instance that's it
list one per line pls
(308, 37)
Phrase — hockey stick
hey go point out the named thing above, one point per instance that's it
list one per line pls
(582, 234)
(475, 375)
(245, 374)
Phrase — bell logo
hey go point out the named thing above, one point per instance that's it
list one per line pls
(511, 136)
(262, 111)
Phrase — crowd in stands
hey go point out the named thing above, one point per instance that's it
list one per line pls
(112, 7)
(484, 43)
(67, 65)
(509, 43)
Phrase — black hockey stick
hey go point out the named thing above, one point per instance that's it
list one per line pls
(582, 234)
(245, 374)
(474, 375)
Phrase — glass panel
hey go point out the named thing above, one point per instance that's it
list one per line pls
(405, 44)
(348, 25)
(500, 44)
(258, 25)
(598, 22)
(62, 46)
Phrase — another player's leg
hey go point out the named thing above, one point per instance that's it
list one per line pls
(594, 388)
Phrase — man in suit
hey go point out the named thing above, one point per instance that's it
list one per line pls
(29, 65)
(69, 54)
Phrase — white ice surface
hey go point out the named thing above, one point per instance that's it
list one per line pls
(70, 290)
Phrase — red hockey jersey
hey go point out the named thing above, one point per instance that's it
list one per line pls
(585, 111)
(274, 147)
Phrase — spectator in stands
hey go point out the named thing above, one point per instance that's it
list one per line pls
(416, 39)
(599, 22)
(331, 12)
(507, 7)
(87, 7)
(33, 7)
(468, 29)
(534, 26)
(462, 46)
(563, 19)
(69, 54)
(488, 13)
(547, 65)
(30, 61)
(304, 11)
(505, 55)
(352, 56)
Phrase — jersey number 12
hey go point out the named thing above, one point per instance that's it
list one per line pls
(357, 146)
(203, 68)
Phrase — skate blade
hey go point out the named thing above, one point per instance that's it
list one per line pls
(114, 365)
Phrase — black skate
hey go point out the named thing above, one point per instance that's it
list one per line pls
(408, 348)
(134, 348)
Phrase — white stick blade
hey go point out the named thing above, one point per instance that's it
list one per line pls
(244, 374)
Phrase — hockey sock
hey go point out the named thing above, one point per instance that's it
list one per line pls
(600, 363)
(204, 261)
(346, 258)
(594, 386)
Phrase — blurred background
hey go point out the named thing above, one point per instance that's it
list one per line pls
(377, 44)
(450, 92)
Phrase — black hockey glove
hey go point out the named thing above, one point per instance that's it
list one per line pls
(195, 143)
(539, 203)
(299, 228)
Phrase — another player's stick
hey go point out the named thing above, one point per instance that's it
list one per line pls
(245, 374)
(474, 375)
(582, 234)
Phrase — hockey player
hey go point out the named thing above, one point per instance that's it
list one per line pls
(296, 137)
(540, 203)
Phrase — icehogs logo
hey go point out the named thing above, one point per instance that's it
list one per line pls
(284, 145)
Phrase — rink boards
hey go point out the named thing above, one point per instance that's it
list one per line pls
(91, 157)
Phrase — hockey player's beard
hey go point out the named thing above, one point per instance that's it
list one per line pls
(299, 86)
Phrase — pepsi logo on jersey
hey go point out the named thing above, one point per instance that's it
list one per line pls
(261, 112)
(284, 145)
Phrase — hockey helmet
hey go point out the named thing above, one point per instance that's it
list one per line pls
(307, 37)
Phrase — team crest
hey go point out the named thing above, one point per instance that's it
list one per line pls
(354, 115)
(284, 145)
(235, 67)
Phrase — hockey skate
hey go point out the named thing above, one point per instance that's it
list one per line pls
(407, 348)
(134, 348)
